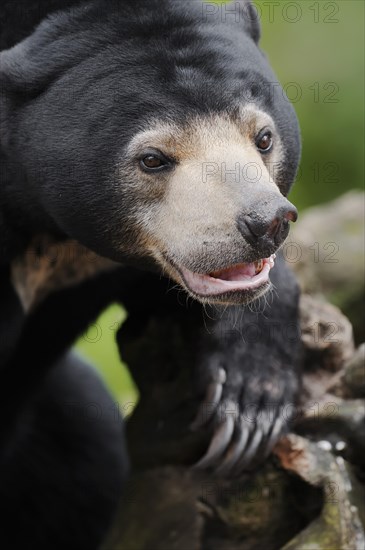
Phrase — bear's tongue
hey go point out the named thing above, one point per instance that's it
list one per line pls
(239, 277)
(238, 272)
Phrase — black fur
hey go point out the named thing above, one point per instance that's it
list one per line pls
(89, 61)
(62, 471)
(73, 94)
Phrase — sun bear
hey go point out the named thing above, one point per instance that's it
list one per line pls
(142, 142)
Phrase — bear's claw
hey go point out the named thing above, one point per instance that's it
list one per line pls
(235, 451)
(236, 444)
(239, 438)
(218, 445)
(212, 399)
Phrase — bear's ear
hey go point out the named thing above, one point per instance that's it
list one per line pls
(33, 64)
(23, 69)
(245, 13)
(249, 16)
(17, 71)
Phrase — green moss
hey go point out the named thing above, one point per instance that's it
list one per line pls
(99, 346)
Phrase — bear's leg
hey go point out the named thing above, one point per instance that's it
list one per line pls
(250, 363)
(244, 364)
(63, 471)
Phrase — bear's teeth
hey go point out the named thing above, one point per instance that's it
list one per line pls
(259, 264)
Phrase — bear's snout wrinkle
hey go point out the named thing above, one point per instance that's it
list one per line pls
(265, 227)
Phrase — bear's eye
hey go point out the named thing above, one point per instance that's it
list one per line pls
(153, 162)
(264, 141)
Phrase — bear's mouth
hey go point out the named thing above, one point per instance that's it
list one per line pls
(239, 278)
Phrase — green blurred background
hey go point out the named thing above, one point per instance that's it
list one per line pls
(317, 52)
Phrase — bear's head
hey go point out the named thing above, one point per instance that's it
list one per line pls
(155, 132)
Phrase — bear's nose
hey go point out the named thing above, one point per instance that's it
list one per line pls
(269, 228)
